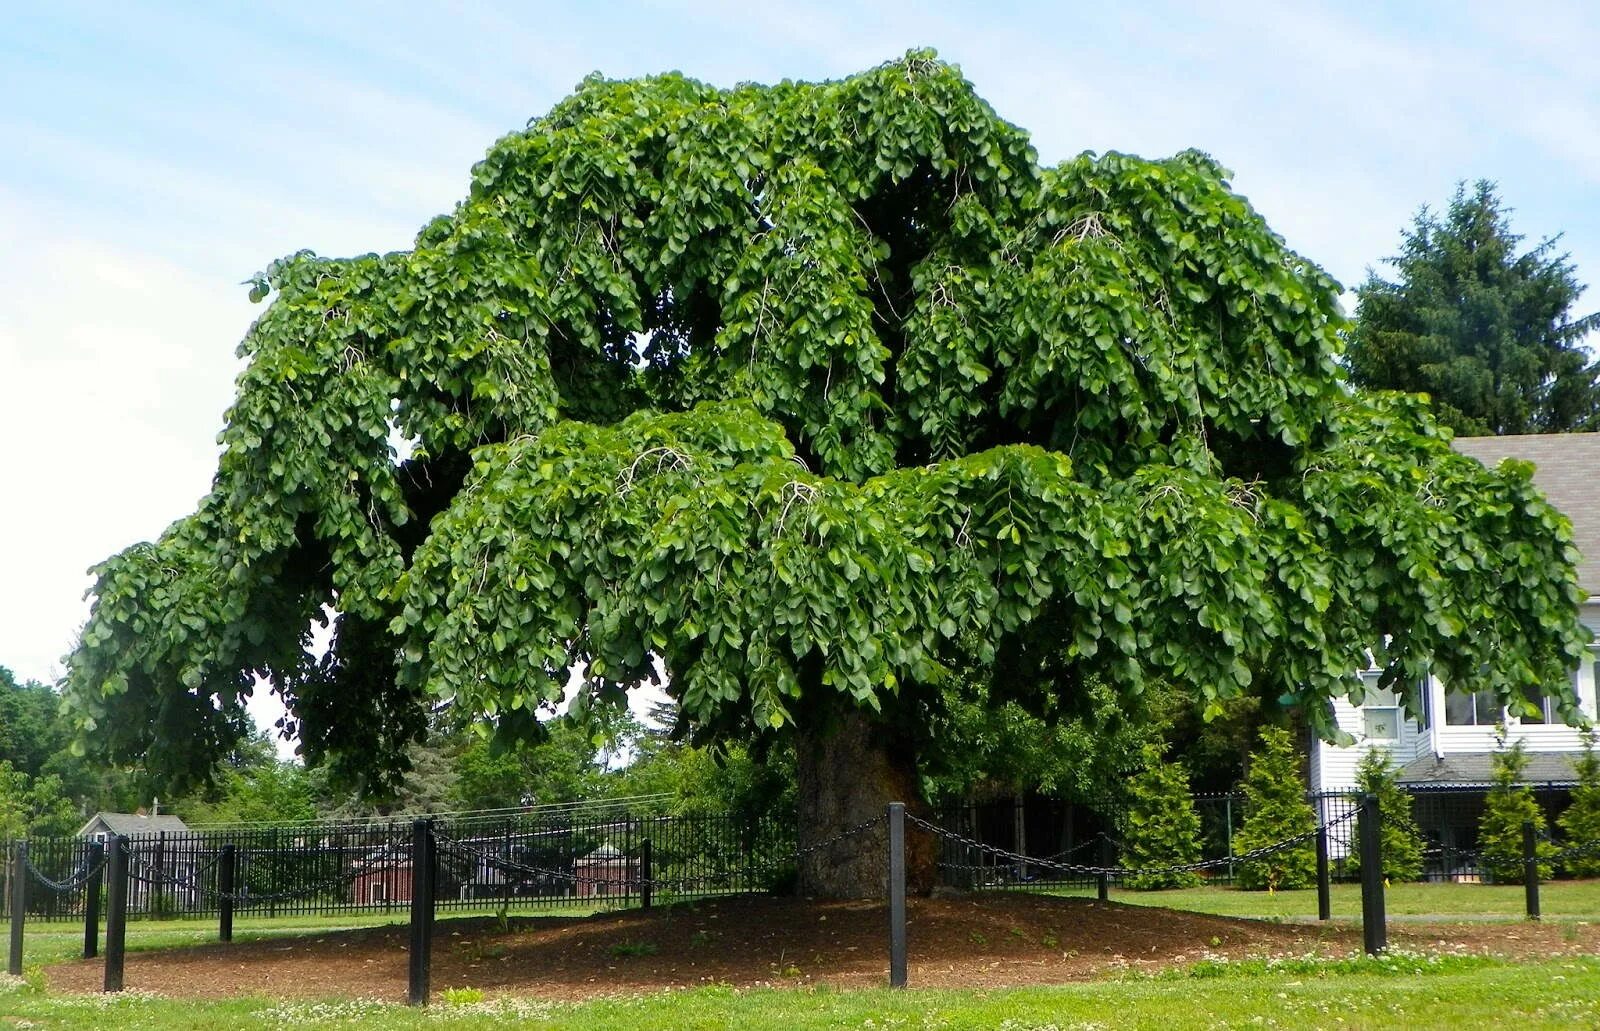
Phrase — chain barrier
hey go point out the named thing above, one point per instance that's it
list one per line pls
(1582, 850)
(1079, 847)
(1083, 870)
(74, 881)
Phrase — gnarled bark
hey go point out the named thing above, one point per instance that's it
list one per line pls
(849, 768)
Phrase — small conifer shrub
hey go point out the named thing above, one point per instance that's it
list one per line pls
(1581, 822)
(1399, 839)
(1162, 829)
(1276, 810)
(1510, 804)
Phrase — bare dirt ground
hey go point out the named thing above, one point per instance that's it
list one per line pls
(981, 941)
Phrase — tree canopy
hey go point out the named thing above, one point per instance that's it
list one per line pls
(1488, 332)
(804, 394)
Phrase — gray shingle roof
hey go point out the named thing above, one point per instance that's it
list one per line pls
(1473, 768)
(132, 823)
(1567, 469)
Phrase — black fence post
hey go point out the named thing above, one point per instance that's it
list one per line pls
(1374, 930)
(91, 901)
(1324, 889)
(421, 910)
(275, 885)
(897, 894)
(1530, 867)
(1103, 878)
(226, 879)
(646, 887)
(19, 905)
(116, 912)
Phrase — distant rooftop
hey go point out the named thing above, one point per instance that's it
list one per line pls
(1476, 769)
(1566, 466)
(129, 824)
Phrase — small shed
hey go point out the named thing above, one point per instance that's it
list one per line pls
(603, 872)
(105, 826)
(169, 854)
(381, 878)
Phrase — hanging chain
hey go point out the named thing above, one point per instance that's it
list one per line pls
(1119, 871)
(74, 881)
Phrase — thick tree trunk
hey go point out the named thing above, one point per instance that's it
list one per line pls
(848, 771)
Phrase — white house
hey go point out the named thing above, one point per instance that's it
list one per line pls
(1450, 746)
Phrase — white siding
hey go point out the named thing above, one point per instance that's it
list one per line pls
(1333, 768)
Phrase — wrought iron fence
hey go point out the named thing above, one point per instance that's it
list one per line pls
(512, 861)
(613, 858)
(1090, 834)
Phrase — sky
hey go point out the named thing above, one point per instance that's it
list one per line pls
(154, 156)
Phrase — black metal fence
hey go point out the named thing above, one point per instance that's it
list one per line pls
(1091, 835)
(612, 858)
(504, 861)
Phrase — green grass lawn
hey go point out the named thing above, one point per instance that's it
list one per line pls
(1403, 992)
(1565, 900)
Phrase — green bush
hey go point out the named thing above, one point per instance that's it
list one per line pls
(1400, 841)
(1275, 810)
(1510, 804)
(1162, 827)
(1581, 822)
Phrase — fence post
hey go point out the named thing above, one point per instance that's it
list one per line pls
(116, 912)
(1324, 890)
(91, 901)
(275, 885)
(1103, 878)
(1530, 867)
(1374, 930)
(897, 894)
(226, 880)
(19, 905)
(1227, 834)
(158, 890)
(421, 910)
(646, 888)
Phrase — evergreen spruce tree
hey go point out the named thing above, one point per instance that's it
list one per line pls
(1162, 827)
(1276, 809)
(1400, 840)
(1510, 804)
(1581, 822)
(1488, 329)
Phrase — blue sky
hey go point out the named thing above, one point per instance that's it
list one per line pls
(151, 159)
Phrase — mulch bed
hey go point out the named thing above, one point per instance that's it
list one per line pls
(978, 941)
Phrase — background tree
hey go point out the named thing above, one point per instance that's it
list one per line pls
(254, 786)
(31, 730)
(1400, 843)
(806, 395)
(1487, 332)
(1509, 804)
(1276, 810)
(34, 806)
(1162, 828)
(991, 746)
(1581, 822)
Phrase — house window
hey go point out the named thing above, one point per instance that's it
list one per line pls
(1380, 713)
(1471, 709)
(1382, 722)
(377, 891)
(1548, 712)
